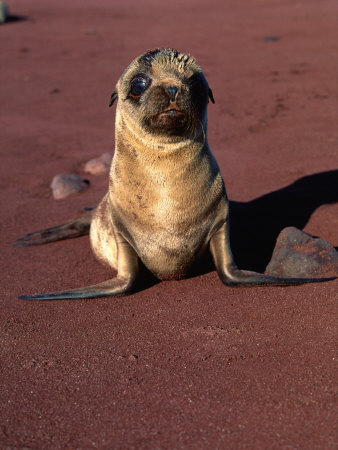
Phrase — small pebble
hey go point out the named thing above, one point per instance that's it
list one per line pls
(3, 12)
(99, 165)
(270, 38)
(64, 185)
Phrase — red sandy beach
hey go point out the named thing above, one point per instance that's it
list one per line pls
(185, 364)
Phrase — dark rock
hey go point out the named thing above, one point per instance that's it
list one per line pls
(297, 254)
(271, 38)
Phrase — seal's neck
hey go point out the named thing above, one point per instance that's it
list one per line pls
(151, 146)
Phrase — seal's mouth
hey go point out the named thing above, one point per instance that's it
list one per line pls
(169, 121)
(171, 113)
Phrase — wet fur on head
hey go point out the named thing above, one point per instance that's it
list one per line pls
(159, 111)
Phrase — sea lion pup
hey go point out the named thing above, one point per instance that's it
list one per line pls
(166, 204)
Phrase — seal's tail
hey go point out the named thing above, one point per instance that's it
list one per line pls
(73, 228)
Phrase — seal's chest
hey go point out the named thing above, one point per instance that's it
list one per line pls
(170, 244)
(169, 254)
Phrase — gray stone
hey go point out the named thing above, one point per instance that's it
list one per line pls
(3, 12)
(64, 185)
(99, 165)
(297, 254)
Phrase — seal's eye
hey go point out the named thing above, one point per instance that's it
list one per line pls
(138, 85)
(196, 81)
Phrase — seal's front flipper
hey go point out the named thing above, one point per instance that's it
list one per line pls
(73, 228)
(127, 273)
(116, 286)
(232, 276)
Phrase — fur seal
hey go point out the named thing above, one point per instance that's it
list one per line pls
(166, 204)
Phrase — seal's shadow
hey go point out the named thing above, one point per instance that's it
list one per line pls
(14, 18)
(255, 225)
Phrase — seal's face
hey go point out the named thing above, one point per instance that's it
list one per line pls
(165, 92)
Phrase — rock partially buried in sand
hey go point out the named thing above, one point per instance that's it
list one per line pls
(297, 254)
(3, 12)
(270, 38)
(64, 185)
(99, 165)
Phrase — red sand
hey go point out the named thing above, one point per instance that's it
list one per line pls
(186, 364)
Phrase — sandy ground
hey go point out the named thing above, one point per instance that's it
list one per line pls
(186, 364)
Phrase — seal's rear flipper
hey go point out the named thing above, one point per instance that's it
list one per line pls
(73, 228)
(232, 276)
(116, 286)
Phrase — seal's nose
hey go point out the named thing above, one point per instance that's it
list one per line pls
(172, 91)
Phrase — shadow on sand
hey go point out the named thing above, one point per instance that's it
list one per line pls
(255, 225)
(14, 18)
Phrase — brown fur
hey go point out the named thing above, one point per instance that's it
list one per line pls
(165, 191)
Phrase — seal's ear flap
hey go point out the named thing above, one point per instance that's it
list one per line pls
(113, 98)
(211, 96)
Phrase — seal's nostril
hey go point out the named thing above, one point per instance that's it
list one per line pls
(172, 90)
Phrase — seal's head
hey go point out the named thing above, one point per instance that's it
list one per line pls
(165, 92)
